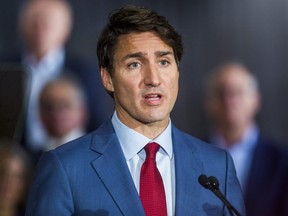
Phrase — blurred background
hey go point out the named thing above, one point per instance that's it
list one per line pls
(254, 32)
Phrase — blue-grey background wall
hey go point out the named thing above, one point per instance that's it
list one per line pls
(252, 31)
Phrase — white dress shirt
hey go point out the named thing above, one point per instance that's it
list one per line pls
(132, 144)
(41, 72)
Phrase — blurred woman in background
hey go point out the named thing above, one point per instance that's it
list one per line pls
(15, 174)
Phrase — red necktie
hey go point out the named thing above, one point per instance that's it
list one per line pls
(152, 193)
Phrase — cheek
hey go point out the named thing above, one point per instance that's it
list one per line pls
(70, 117)
(251, 108)
(174, 84)
(125, 88)
(216, 108)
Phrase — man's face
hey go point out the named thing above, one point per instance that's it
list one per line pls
(45, 25)
(61, 109)
(236, 101)
(144, 81)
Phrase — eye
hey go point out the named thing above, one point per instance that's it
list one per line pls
(164, 63)
(133, 65)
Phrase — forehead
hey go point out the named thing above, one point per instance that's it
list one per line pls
(59, 89)
(145, 42)
(8, 158)
(234, 76)
(45, 8)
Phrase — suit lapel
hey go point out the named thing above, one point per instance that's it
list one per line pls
(187, 170)
(112, 169)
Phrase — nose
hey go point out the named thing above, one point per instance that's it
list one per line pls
(152, 76)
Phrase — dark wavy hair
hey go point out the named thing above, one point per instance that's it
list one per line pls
(135, 19)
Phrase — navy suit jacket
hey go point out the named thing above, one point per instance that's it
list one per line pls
(266, 191)
(90, 176)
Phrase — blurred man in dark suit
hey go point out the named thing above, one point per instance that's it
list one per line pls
(232, 102)
(45, 27)
(63, 111)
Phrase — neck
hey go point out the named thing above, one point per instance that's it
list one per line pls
(150, 130)
(40, 52)
(232, 135)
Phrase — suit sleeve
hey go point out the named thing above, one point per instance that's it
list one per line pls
(50, 193)
(233, 190)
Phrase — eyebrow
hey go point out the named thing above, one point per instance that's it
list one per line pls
(141, 54)
(164, 53)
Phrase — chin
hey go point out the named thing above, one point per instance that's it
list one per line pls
(154, 119)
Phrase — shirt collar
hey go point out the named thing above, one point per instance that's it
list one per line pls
(248, 140)
(51, 61)
(133, 142)
(54, 142)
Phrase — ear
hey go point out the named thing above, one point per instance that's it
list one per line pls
(107, 80)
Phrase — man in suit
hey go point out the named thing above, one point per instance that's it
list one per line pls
(232, 103)
(45, 27)
(105, 172)
(63, 111)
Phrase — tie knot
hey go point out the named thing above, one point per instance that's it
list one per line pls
(151, 150)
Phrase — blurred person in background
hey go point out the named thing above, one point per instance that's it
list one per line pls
(63, 111)
(15, 175)
(45, 27)
(232, 103)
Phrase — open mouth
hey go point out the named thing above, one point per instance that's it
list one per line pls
(153, 97)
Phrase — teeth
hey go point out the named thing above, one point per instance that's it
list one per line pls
(152, 99)
(152, 96)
